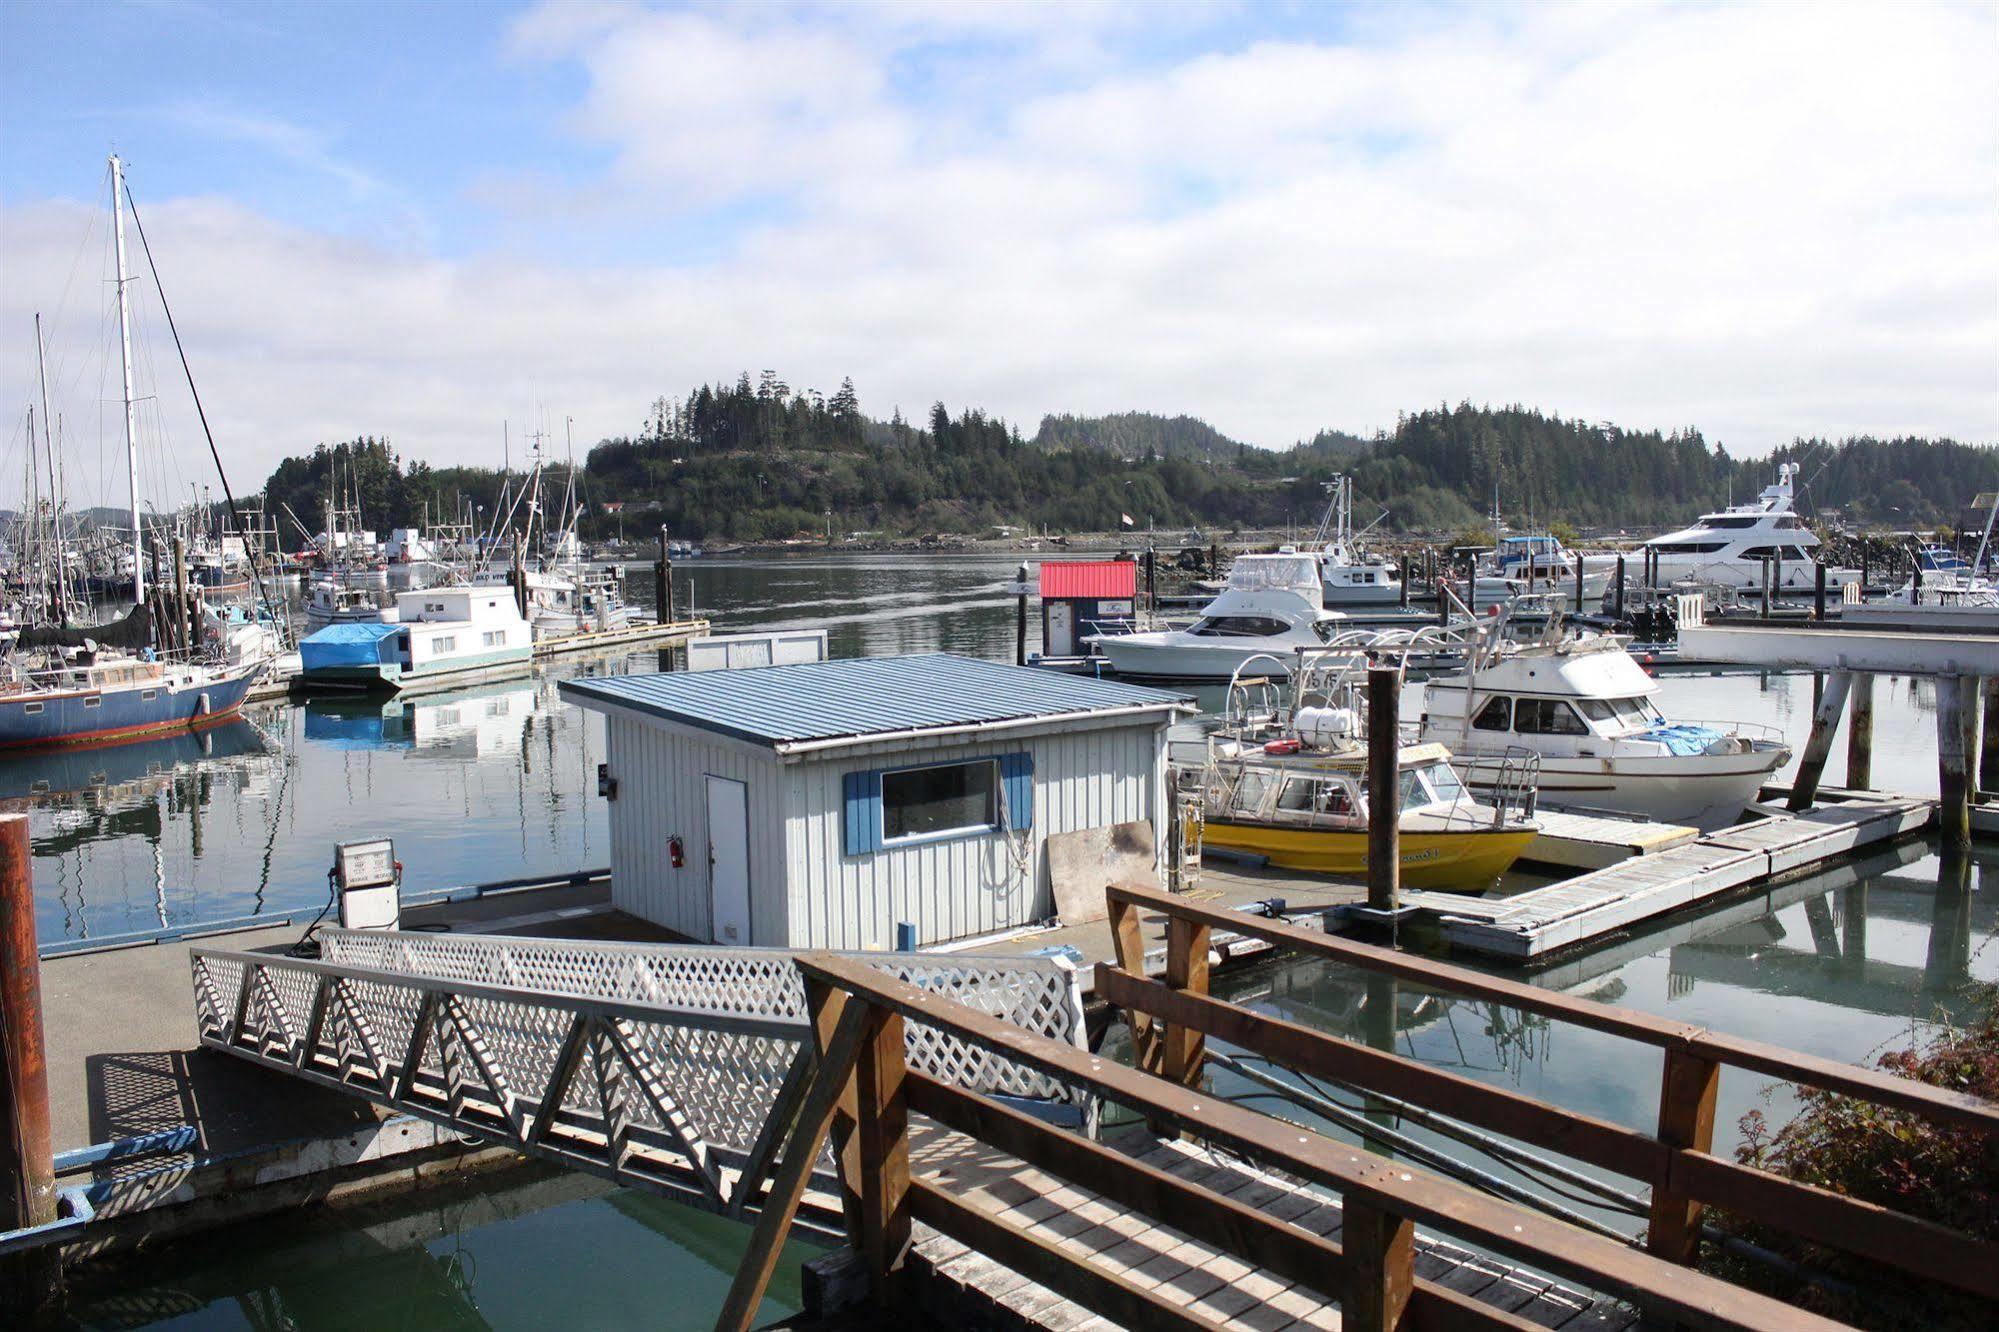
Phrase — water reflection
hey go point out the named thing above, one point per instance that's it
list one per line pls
(463, 1261)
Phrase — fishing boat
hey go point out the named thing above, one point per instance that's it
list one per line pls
(1528, 565)
(334, 601)
(448, 634)
(1733, 547)
(576, 600)
(1271, 606)
(1350, 576)
(1584, 707)
(1287, 782)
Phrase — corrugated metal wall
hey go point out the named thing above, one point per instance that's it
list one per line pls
(951, 889)
(663, 792)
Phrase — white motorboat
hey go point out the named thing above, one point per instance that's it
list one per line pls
(1585, 707)
(451, 633)
(1351, 577)
(1526, 565)
(1731, 547)
(1271, 606)
(336, 601)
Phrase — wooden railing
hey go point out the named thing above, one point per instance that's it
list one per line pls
(1172, 1019)
(864, 1096)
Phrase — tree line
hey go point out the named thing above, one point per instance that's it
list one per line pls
(758, 460)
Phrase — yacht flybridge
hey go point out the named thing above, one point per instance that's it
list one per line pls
(1730, 548)
(1583, 706)
(1271, 607)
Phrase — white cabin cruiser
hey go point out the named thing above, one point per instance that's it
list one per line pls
(1271, 607)
(1584, 705)
(1526, 565)
(1351, 576)
(335, 601)
(1729, 548)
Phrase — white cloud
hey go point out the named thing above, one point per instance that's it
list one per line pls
(1764, 222)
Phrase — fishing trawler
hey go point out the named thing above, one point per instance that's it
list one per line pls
(1350, 576)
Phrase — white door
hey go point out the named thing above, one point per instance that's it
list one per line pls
(728, 860)
(1061, 629)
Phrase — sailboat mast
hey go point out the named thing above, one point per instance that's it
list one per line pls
(125, 362)
(55, 480)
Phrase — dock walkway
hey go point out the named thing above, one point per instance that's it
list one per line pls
(1545, 920)
(1207, 1283)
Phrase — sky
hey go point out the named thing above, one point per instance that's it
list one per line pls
(438, 222)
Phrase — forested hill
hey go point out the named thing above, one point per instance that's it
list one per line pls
(755, 461)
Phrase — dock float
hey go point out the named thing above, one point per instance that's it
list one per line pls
(1577, 911)
(639, 634)
(1594, 841)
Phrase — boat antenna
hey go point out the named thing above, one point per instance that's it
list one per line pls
(228, 494)
(118, 194)
(55, 477)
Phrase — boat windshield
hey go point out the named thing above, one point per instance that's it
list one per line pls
(1264, 573)
(1238, 626)
(1621, 711)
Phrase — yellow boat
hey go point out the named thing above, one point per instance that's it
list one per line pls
(1308, 811)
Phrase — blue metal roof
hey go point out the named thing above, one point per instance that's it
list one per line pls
(862, 696)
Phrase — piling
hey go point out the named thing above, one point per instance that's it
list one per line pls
(1766, 587)
(1818, 591)
(1860, 734)
(1988, 746)
(1619, 594)
(662, 583)
(1151, 579)
(1916, 584)
(30, 1281)
(517, 577)
(1825, 720)
(1020, 611)
(1864, 582)
(1384, 776)
(1953, 778)
(1405, 582)
(1579, 583)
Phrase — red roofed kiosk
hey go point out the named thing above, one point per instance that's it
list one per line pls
(1082, 597)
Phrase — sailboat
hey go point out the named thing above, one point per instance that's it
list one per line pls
(68, 685)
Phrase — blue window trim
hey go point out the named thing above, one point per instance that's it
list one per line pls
(861, 802)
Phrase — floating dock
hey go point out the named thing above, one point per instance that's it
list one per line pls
(1590, 906)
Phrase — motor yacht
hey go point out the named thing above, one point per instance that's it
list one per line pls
(1271, 606)
(1584, 706)
(1526, 565)
(1730, 548)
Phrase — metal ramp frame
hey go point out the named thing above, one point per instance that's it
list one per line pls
(677, 1069)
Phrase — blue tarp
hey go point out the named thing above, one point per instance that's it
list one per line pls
(1684, 741)
(349, 645)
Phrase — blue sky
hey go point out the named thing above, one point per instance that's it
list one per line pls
(424, 220)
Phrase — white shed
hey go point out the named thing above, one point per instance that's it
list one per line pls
(825, 804)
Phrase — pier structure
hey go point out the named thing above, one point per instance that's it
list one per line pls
(939, 1113)
(1962, 661)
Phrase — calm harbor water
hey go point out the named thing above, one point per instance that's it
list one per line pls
(499, 781)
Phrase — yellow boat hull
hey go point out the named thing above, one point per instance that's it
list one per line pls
(1451, 860)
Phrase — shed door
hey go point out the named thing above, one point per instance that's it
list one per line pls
(1061, 629)
(729, 860)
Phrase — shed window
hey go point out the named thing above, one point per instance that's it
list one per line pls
(943, 798)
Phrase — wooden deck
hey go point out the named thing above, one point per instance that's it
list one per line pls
(1595, 841)
(1575, 911)
(960, 1282)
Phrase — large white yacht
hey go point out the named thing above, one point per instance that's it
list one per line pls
(1351, 576)
(1271, 607)
(1584, 706)
(1728, 548)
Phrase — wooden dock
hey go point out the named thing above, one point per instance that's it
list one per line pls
(1576, 911)
(1596, 841)
(641, 634)
(962, 1285)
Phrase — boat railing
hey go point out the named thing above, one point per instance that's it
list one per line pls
(1516, 787)
(1753, 730)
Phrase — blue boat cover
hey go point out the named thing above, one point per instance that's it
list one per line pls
(1683, 741)
(349, 645)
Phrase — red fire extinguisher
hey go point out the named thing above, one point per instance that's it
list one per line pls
(676, 854)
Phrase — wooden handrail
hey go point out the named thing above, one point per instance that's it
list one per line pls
(1387, 1188)
(1936, 1103)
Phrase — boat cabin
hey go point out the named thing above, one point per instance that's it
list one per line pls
(865, 803)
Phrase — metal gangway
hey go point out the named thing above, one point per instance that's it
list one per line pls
(672, 1068)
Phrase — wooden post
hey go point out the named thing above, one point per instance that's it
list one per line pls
(1151, 578)
(1020, 616)
(1619, 594)
(1380, 1250)
(1953, 776)
(1988, 745)
(1766, 588)
(662, 584)
(1860, 734)
(29, 1281)
(1818, 591)
(1128, 946)
(1384, 775)
(882, 1135)
(1187, 944)
(1825, 721)
(1577, 556)
(1405, 582)
(1686, 1123)
(1863, 569)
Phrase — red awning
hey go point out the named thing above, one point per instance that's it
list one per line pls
(1102, 580)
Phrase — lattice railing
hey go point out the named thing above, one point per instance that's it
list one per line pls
(675, 1067)
(1038, 994)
